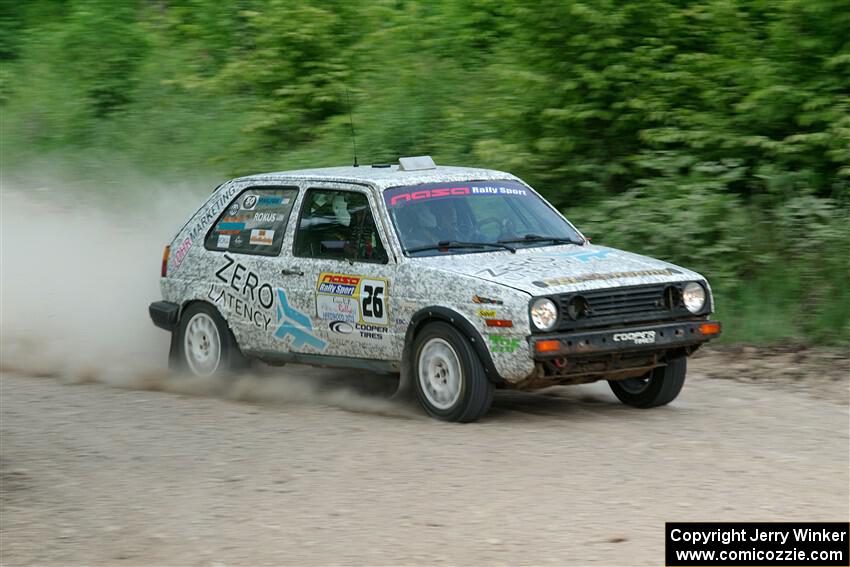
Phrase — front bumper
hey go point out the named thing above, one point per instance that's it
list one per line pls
(629, 339)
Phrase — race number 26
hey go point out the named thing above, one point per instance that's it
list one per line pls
(372, 302)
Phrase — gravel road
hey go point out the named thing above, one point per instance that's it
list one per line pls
(273, 470)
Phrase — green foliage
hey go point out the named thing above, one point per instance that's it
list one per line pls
(713, 134)
(779, 267)
(101, 48)
(679, 212)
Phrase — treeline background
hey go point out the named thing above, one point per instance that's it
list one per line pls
(714, 134)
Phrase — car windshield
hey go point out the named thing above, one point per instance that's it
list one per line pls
(473, 216)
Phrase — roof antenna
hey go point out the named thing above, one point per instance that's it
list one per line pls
(351, 123)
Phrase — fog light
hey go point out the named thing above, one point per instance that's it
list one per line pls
(547, 346)
(710, 328)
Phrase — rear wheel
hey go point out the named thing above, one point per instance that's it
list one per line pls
(449, 378)
(659, 387)
(203, 344)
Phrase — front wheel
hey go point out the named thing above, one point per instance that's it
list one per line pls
(659, 387)
(204, 345)
(449, 378)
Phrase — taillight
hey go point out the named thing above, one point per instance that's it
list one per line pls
(165, 253)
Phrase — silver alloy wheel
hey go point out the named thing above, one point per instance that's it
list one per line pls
(202, 345)
(440, 373)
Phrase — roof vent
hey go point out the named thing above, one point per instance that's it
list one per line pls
(416, 163)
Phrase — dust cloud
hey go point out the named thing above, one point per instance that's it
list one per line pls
(78, 272)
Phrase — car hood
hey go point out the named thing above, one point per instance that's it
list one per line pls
(559, 269)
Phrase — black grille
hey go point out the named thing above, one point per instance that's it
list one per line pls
(617, 305)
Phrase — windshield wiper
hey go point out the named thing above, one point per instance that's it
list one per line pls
(538, 238)
(456, 244)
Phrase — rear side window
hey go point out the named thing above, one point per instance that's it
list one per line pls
(340, 225)
(254, 222)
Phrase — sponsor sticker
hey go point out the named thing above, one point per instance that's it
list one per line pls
(583, 256)
(365, 299)
(249, 202)
(635, 337)
(265, 217)
(374, 332)
(338, 284)
(429, 194)
(487, 313)
(501, 343)
(341, 327)
(233, 210)
(224, 241)
(210, 212)
(498, 190)
(240, 292)
(594, 277)
(480, 299)
(338, 308)
(295, 324)
(261, 237)
(180, 253)
(230, 225)
(270, 201)
(401, 195)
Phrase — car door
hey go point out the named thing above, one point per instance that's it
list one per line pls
(246, 245)
(339, 256)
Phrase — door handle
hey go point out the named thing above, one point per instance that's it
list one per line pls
(291, 272)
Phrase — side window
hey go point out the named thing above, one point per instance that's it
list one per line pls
(254, 222)
(338, 224)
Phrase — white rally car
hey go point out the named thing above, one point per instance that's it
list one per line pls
(462, 280)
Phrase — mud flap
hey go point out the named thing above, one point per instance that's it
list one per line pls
(174, 350)
(405, 392)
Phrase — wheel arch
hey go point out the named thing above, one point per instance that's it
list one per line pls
(186, 304)
(190, 302)
(444, 314)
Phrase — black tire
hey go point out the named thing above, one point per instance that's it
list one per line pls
(230, 358)
(475, 389)
(659, 387)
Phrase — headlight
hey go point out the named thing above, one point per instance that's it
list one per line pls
(544, 314)
(694, 297)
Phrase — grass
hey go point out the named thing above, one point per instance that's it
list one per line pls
(776, 308)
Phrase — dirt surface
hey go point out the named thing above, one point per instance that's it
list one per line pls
(301, 466)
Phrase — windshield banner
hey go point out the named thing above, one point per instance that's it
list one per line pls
(398, 196)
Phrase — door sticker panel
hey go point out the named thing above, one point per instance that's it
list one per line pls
(353, 299)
